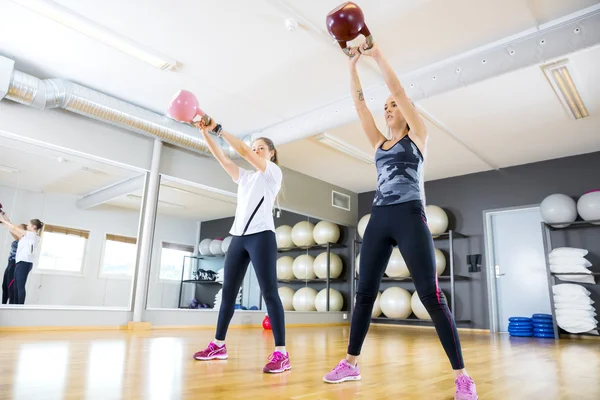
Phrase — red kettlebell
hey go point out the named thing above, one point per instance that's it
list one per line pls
(345, 23)
(266, 323)
(184, 107)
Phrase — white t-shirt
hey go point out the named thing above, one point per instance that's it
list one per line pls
(253, 186)
(26, 247)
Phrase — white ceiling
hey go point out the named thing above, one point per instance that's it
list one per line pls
(249, 72)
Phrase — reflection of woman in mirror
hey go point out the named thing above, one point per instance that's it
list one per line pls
(28, 239)
(8, 282)
(253, 234)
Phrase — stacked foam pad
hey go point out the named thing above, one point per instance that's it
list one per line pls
(539, 326)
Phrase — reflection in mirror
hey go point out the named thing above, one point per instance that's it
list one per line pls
(85, 254)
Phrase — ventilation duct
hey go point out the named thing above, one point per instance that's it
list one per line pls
(59, 93)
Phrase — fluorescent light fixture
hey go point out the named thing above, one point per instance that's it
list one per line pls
(160, 202)
(562, 83)
(70, 19)
(5, 168)
(344, 147)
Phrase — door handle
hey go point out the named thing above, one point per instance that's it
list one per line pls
(498, 274)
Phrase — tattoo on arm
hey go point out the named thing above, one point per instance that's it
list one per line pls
(360, 95)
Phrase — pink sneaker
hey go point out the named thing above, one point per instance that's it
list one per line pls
(278, 362)
(465, 388)
(343, 372)
(212, 352)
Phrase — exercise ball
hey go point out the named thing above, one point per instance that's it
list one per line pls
(302, 234)
(216, 247)
(286, 294)
(303, 267)
(304, 299)
(418, 308)
(396, 267)
(283, 236)
(226, 243)
(377, 306)
(558, 207)
(588, 206)
(362, 225)
(326, 232)
(285, 268)
(440, 262)
(336, 301)
(320, 265)
(395, 303)
(437, 220)
(204, 247)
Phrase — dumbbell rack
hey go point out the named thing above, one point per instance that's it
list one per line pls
(451, 277)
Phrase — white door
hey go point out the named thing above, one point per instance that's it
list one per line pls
(518, 267)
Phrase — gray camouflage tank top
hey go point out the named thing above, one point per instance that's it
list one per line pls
(398, 173)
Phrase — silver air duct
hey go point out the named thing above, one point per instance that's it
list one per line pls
(60, 93)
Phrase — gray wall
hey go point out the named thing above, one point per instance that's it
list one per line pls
(464, 199)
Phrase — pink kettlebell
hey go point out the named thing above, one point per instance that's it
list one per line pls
(184, 107)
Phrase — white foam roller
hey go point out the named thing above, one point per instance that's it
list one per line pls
(286, 294)
(362, 224)
(216, 247)
(285, 267)
(283, 236)
(336, 300)
(302, 234)
(303, 267)
(204, 247)
(304, 299)
(226, 243)
(320, 265)
(326, 232)
(395, 303)
(396, 267)
(437, 220)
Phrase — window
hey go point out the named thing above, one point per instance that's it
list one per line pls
(62, 249)
(171, 260)
(120, 254)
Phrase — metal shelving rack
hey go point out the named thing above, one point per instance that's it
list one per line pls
(452, 277)
(547, 239)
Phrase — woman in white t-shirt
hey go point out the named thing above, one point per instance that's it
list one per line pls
(28, 240)
(253, 240)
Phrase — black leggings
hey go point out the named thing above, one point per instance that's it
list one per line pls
(8, 284)
(403, 224)
(22, 270)
(261, 248)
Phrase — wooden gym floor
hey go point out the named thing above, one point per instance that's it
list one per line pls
(397, 363)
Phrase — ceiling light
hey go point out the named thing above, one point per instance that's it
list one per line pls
(160, 202)
(562, 83)
(343, 147)
(98, 32)
(4, 168)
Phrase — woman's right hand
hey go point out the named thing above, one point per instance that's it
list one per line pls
(353, 60)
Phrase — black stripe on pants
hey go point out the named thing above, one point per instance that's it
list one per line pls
(403, 224)
(261, 249)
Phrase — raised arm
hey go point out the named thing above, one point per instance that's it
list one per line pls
(408, 110)
(364, 114)
(232, 169)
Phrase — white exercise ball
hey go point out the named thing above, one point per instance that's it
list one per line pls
(283, 236)
(362, 224)
(303, 267)
(302, 234)
(326, 232)
(437, 220)
(396, 267)
(216, 247)
(285, 269)
(377, 306)
(588, 206)
(304, 299)
(558, 207)
(286, 294)
(440, 262)
(395, 303)
(226, 243)
(320, 265)
(336, 301)
(204, 247)
(418, 308)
